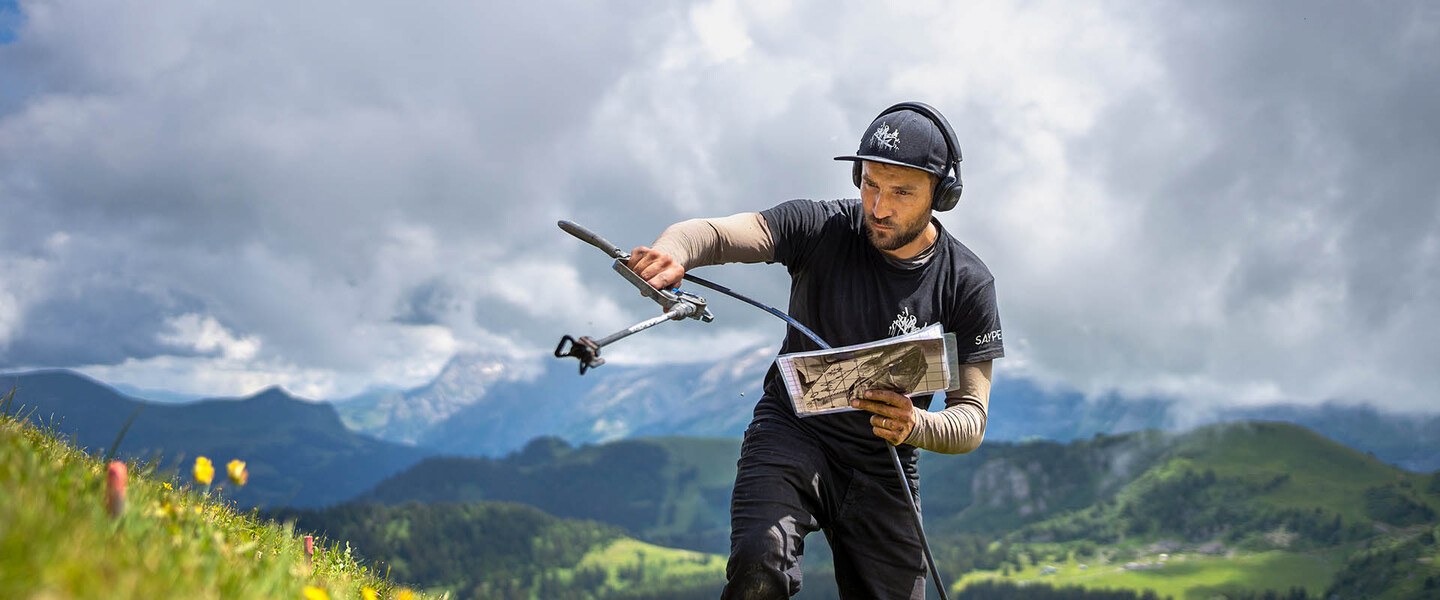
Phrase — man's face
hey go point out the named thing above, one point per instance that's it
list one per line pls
(897, 203)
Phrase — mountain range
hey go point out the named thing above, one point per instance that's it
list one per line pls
(484, 405)
(488, 405)
(298, 452)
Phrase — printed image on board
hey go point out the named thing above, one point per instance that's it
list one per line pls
(826, 381)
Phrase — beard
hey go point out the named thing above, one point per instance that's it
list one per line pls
(898, 236)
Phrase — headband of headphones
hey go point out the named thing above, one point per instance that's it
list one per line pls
(882, 142)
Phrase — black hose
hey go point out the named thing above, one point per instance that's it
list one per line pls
(738, 296)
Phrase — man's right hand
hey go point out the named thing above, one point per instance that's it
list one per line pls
(656, 268)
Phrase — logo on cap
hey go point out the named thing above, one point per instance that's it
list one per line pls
(886, 139)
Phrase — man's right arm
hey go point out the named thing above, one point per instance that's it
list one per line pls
(685, 245)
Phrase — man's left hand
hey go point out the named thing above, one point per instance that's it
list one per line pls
(894, 416)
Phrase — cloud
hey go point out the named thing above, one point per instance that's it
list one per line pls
(1225, 203)
(205, 334)
(1266, 223)
(294, 176)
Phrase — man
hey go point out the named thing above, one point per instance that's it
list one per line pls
(861, 271)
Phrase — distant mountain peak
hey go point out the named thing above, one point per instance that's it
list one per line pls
(470, 369)
(464, 381)
(272, 394)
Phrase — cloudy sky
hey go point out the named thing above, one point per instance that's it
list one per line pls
(1222, 202)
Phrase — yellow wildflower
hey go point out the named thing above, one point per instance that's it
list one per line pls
(315, 593)
(165, 509)
(405, 595)
(369, 593)
(204, 471)
(238, 474)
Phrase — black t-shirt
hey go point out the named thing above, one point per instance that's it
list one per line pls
(845, 291)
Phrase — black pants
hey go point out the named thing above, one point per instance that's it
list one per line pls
(785, 489)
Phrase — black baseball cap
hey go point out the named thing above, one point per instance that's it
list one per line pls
(905, 138)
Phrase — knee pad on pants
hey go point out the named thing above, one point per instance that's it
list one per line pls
(754, 580)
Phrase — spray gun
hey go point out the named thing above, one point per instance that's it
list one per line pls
(678, 305)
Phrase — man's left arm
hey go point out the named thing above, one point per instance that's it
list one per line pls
(956, 430)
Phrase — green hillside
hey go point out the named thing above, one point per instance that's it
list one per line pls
(1403, 565)
(1234, 508)
(1239, 483)
(501, 550)
(1317, 471)
(669, 491)
(57, 540)
(300, 452)
(1227, 509)
(1004, 485)
(465, 548)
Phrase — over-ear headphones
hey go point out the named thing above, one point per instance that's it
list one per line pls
(947, 191)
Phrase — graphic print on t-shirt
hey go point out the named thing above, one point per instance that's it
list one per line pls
(904, 323)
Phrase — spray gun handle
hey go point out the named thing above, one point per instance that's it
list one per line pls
(594, 239)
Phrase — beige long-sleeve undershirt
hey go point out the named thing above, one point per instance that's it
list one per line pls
(746, 238)
(742, 238)
(961, 426)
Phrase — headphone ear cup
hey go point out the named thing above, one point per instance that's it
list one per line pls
(947, 194)
(855, 174)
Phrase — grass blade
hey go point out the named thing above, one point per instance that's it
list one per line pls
(109, 456)
(5, 409)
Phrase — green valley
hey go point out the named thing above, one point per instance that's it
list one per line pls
(1219, 511)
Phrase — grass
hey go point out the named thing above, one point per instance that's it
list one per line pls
(629, 552)
(57, 541)
(629, 563)
(1186, 576)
